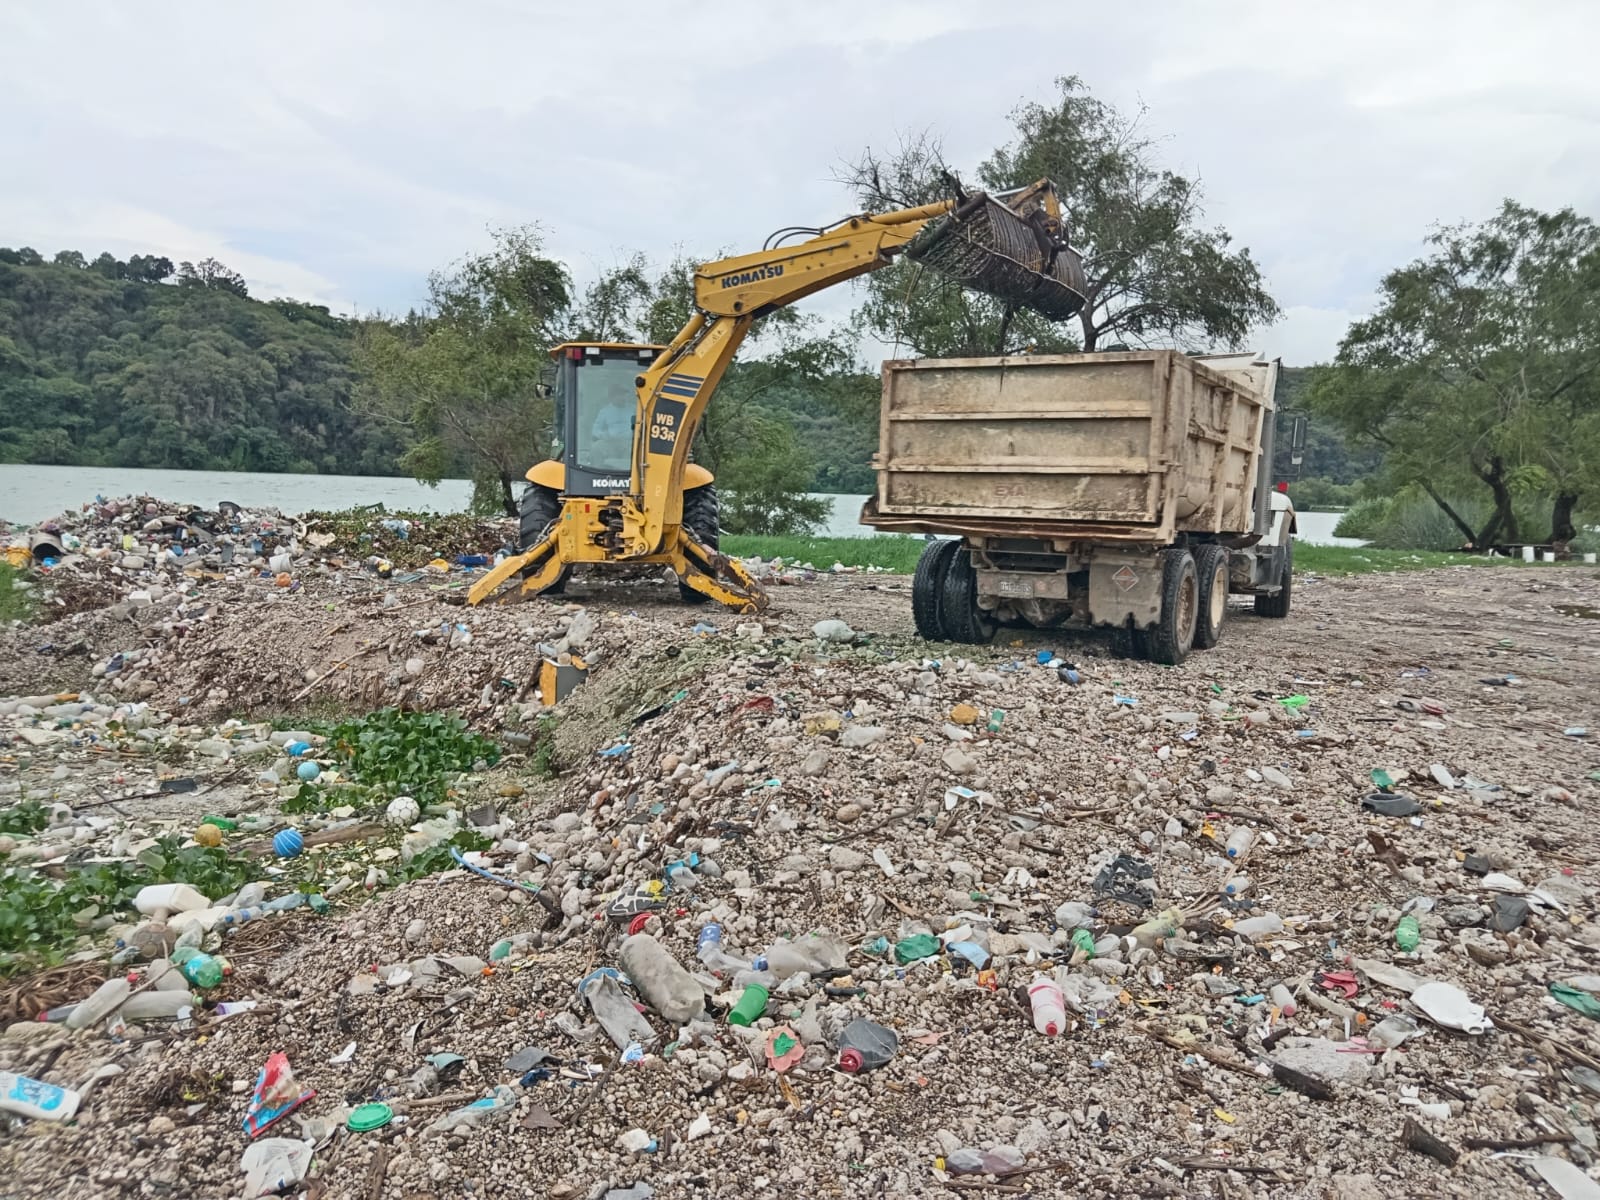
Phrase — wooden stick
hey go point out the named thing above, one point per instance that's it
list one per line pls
(376, 1172)
(1415, 1137)
(1224, 1164)
(1205, 1052)
(1554, 1043)
(1483, 1143)
(1301, 1082)
(338, 666)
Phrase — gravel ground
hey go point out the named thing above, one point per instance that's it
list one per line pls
(1161, 1086)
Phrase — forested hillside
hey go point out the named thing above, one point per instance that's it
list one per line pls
(141, 364)
(136, 364)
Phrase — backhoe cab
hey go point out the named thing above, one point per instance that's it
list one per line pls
(624, 490)
(572, 508)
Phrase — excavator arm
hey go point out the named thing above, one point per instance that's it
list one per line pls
(1015, 249)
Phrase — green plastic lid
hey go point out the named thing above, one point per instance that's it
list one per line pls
(370, 1116)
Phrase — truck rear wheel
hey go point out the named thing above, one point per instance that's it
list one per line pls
(1211, 568)
(959, 614)
(927, 587)
(1277, 604)
(702, 516)
(1173, 637)
(540, 509)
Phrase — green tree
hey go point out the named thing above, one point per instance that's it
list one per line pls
(1482, 365)
(207, 273)
(1154, 274)
(465, 378)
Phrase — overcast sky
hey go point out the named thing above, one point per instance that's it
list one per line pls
(337, 152)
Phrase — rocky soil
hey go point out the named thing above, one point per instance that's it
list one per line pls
(878, 789)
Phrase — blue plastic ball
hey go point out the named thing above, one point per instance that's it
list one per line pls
(296, 749)
(308, 770)
(288, 843)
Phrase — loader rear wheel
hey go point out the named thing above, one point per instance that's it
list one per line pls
(1277, 605)
(1211, 567)
(927, 587)
(1173, 637)
(959, 614)
(702, 516)
(541, 508)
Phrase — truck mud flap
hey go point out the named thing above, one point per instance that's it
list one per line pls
(1124, 586)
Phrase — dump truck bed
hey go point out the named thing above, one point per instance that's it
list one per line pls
(1128, 446)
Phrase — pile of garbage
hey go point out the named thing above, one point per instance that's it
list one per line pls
(813, 901)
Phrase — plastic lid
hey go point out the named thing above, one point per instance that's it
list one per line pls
(850, 1060)
(370, 1116)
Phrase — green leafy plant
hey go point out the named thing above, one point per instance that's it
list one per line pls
(418, 754)
(438, 858)
(542, 760)
(42, 919)
(28, 816)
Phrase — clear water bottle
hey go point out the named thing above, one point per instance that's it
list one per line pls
(708, 949)
(1239, 841)
(107, 998)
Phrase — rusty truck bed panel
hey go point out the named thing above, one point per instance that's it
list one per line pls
(1129, 447)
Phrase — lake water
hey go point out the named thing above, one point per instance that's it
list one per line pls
(30, 494)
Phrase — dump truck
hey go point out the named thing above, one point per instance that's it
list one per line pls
(1129, 491)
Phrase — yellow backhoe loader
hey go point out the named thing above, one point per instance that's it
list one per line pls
(624, 490)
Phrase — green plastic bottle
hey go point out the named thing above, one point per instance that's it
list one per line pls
(203, 970)
(1084, 940)
(1407, 934)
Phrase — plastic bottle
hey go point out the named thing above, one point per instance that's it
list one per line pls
(108, 997)
(1239, 841)
(1049, 1005)
(1257, 926)
(1283, 1000)
(35, 1098)
(157, 1006)
(1408, 933)
(199, 968)
(708, 949)
(865, 1046)
(1163, 925)
(813, 954)
(476, 1115)
(660, 979)
(1238, 885)
(1074, 914)
(242, 916)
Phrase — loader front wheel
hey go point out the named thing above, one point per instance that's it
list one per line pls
(541, 508)
(702, 517)
(927, 587)
(1173, 637)
(1211, 565)
(1277, 604)
(959, 614)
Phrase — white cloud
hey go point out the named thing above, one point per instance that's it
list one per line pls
(340, 152)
